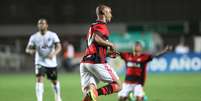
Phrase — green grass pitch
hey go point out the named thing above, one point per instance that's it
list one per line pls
(159, 87)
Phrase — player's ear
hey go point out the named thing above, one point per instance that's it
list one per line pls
(102, 12)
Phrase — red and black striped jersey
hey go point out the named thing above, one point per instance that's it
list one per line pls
(136, 67)
(95, 53)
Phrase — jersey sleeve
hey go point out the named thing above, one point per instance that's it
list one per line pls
(149, 57)
(31, 41)
(100, 29)
(123, 55)
(56, 38)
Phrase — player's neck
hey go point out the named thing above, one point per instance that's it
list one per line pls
(101, 19)
(43, 32)
(137, 53)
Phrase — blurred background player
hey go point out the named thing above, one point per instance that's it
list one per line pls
(45, 45)
(136, 64)
(182, 48)
(68, 56)
(94, 66)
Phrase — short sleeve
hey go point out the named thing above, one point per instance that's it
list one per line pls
(123, 55)
(99, 28)
(149, 57)
(31, 41)
(56, 38)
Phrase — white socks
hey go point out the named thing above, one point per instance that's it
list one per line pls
(57, 91)
(39, 91)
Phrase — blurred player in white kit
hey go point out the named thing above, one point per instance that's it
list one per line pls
(45, 45)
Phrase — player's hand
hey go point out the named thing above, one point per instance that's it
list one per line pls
(112, 47)
(113, 53)
(117, 53)
(51, 55)
(31, 52)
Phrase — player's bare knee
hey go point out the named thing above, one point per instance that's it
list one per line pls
(54, 82)
(138, 98)
(116, 86)
(122, 98)
(39, 79)
(119, 85)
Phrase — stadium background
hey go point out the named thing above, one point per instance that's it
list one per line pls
(156, 23)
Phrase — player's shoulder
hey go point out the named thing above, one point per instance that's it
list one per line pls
(33, 35)
(125, 53)
(94, 23)
(146, 54)
(51, 32)
(97, 24)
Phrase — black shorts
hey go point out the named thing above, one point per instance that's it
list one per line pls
(50, 72)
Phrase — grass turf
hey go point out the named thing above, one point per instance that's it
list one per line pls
(159, 87)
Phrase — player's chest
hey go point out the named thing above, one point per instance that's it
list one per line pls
(135, 62)
(41, 41)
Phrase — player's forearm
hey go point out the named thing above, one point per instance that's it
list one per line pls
(161, 53)
(102, 42)
(57, 49)
(29, 50)
(164, 51)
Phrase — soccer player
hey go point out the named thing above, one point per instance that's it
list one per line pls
(45, 45)
(136, 64)
(94, 67)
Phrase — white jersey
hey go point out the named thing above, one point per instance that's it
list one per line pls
(44, 44)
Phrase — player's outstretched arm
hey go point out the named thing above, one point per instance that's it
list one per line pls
(57, 50)
(30, 49)
(162, 52)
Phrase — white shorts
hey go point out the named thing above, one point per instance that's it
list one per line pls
(93, 73)
(136, 88)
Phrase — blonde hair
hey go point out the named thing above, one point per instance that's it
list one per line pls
(100, 9)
